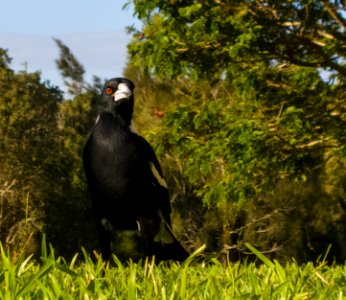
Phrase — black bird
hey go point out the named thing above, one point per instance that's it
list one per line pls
(125, 180)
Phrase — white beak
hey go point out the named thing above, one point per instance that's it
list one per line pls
(122, 92)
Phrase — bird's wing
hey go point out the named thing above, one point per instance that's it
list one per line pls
(158, 180)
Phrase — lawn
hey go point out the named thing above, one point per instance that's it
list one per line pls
(54, 278)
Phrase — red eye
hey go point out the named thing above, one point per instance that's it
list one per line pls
(109, 91)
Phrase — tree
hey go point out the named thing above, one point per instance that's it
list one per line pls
(211, 36)
(71, 69)
(41, 180)
(30, 147)
(254, 113)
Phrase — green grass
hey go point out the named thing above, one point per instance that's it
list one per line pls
(53, 278)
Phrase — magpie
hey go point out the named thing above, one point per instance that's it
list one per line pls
(127, 188)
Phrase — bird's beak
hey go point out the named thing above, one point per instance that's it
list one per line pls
(122, 92)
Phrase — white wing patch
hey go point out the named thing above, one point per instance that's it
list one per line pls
(165, 233)
(122, 92)
(157, 175)
(138, 226)
(97, 120)
(106, 224)
(133, 128)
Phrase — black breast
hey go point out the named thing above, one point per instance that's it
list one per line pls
(116, 170)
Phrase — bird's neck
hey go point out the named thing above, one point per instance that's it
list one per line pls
(124, 110)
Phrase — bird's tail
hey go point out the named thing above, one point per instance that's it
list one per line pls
(167, 247)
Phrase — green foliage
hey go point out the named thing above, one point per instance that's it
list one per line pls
(153, 98)
(208, 38)
(30, 145)
(41, 182)
(243, 144)
(54, 278)
(233, 152)
(253, 146)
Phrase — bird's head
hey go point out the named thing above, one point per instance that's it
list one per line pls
(117, 93)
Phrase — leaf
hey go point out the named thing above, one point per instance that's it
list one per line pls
(262, 257)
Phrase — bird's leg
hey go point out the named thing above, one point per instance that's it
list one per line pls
(105, 236)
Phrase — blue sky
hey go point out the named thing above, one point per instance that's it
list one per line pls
(93, 30)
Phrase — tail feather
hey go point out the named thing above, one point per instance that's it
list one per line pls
(169, 247)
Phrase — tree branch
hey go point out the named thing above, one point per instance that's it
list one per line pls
(334, 14)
